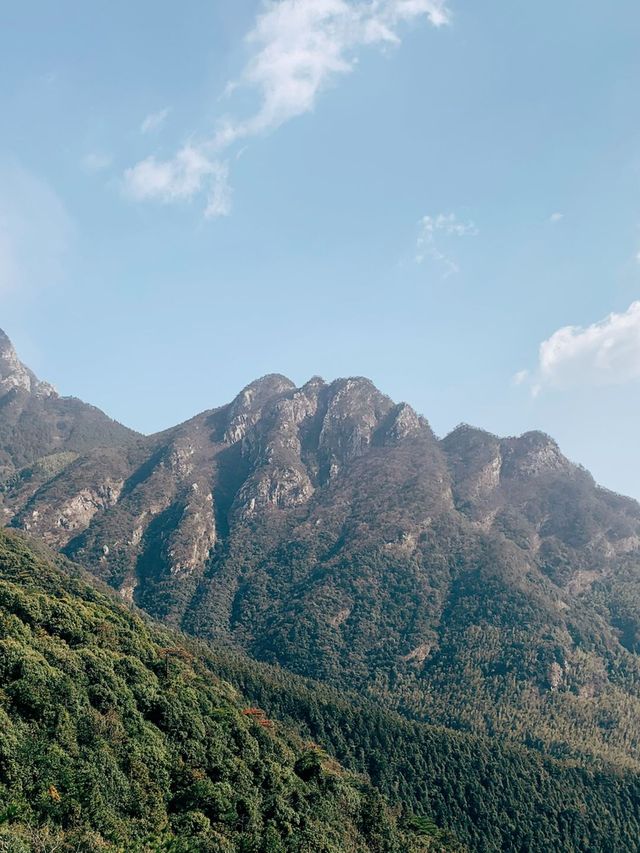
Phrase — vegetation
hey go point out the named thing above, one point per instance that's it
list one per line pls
(496, 797)
(114, 735)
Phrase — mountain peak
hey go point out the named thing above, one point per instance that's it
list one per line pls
(5, 342)
(264, 387)
(15, 375)
(246, 409)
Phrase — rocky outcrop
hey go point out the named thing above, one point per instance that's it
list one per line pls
(532, 455)
(14, 374)
(355, 409)
(190, 544)
(246, 410)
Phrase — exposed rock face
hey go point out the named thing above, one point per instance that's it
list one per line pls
(532, 455)
(475, 459)
(13, 374)
(79, 510)
(274, 453)
(191, 543)
(36, 423)
(355, 409)
(404, 423)
(165, 506)
(246, 409)
(149, 519)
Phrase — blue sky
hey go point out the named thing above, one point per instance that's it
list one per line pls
(443, 196)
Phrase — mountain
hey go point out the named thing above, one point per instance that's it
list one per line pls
(116, 735)
(39, 427)
(484, 584)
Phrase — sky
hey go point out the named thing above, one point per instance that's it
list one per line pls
(441, 195)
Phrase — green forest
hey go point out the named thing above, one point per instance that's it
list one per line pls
(116, 736)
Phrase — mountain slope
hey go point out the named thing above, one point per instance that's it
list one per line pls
(495, 797)
(116, 736)
(118, 732)
(482, 583)
(38, 426)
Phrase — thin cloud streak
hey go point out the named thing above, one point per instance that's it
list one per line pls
(96, 161)
(298, 48)
(154, 121)
(432, 230)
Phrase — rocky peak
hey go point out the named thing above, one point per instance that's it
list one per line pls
(354, 412)
(14, 374)
(532, 454)
(465, 439)
(402, 423)
(475, 461)
(246, 410)
(314, 385)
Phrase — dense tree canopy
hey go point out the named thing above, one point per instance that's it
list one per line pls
(114, 735)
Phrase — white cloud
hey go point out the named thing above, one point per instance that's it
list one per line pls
(297, 48)
(154, 121)
(556, 217)
(433, 229)
(96, 161)
(36, 233)
(604, 353)
(170, 180)
(220, 193)
(300, 46)
(180, 178)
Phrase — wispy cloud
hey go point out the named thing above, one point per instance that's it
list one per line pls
(181, 178)
(154, 121)
(297, 48)
(36, 232)
(434, 232)
(556, 217)
(604, 353)
(96, 161)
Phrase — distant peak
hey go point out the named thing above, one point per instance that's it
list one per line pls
(537, 438)
(465, 435)
(315, 382)
(15, 375)
(261, 389)
(247, 407)
(5, 342)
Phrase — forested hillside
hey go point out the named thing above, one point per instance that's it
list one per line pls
(117, 733)
(115, 736)
(496, 797)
